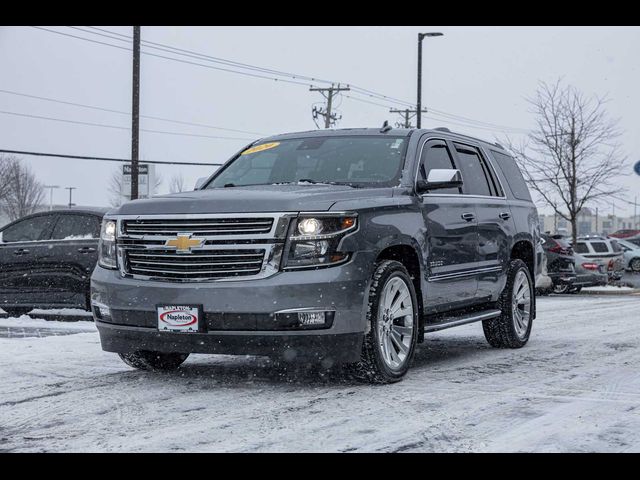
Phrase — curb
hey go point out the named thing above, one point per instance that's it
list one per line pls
(612, 292)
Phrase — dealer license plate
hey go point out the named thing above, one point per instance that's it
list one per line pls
(178, 318)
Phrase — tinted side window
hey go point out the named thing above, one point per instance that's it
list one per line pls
(473, 171)
(599, 247)
(28, 230)
(582, 248)
(436, 155)
(513, 175)
(74, 227)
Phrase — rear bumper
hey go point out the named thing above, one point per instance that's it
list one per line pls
(334, 348)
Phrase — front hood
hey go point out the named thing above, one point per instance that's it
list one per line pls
(259, 198)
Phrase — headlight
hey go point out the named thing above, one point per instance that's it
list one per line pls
(107, 245)
(315, 239)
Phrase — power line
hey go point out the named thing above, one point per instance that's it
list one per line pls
(121, 112)
(104, 159)
(177, 59)
(117, 127)
(464, 121)
(223, 61)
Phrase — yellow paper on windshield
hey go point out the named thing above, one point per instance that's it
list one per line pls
(261, 148)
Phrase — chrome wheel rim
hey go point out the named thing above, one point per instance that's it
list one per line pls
(395, 323)
(560, 288)
(635, 265)
(521, 303)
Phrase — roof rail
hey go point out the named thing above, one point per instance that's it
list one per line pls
(442, 129)
(498, 145)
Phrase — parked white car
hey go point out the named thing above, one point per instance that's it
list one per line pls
(631, 253)
(604, 251)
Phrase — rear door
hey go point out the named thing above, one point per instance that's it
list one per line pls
(23, 254)
(495, 223)
(451, 235)
(74, 253)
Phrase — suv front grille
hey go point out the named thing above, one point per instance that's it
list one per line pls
(201, 265)
(200, 226)
(201, 247)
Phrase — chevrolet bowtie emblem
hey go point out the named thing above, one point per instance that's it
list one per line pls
(183, 243)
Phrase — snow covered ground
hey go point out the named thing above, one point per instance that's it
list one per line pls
(574, 387)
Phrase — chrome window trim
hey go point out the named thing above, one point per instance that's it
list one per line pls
(457, 195)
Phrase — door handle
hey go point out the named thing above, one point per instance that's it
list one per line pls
(21, 251)
(505, 216)
(468, 216)
(86, 249)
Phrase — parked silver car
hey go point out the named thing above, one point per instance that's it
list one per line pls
(631, 254)
(603, 251)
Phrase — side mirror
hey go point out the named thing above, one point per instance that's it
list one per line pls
(200, 182)
(439, 178)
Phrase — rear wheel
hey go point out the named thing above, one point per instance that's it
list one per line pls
(560, 288)
(392, 334)
(17, 311)
(635, 265)
(576, 290)
(513, 327)
(147, 360)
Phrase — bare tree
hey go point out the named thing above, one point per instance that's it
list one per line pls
(573, 156)
(21, 192)
(115, 187)
(176, 185)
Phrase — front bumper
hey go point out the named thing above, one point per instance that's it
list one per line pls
(237, 313)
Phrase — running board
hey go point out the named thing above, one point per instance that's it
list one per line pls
(449, 322)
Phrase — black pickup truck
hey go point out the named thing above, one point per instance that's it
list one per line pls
(337, 246)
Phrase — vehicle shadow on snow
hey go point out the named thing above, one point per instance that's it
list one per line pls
(243, 371)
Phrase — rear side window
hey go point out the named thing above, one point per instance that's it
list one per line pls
(513, 175)
(76, 227)
(616, 246)
(436, 155)
(581, 247)
(475, 172)
(29, 230)
(599, 247)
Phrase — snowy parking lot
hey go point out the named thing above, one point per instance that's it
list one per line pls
(574, 387)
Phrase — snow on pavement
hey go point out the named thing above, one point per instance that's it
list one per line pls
(574, 387)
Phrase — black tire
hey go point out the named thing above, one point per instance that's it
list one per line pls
(575, 290)
(17, 311)
(501, 332)
(372, 367)
(634, 265)
(155, 361)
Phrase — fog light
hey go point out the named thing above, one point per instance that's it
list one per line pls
(311, 318)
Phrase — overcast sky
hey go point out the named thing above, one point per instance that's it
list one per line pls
(481, 73)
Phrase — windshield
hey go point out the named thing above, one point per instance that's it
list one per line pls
(356, 161)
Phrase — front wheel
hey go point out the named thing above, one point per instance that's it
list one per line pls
(513, 327)
(392, 317)
(147, 360)
(634, 265)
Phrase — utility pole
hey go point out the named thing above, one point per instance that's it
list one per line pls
(597, 227)
(71, 189)
(51, 187)
(407, 115)
(328, 93)
(135, 113)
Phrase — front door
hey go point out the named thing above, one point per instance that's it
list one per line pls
(23, 249)
(451, 237)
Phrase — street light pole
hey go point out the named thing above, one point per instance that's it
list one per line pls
(419, 102)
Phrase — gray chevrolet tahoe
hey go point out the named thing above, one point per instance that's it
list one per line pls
(336, 247)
